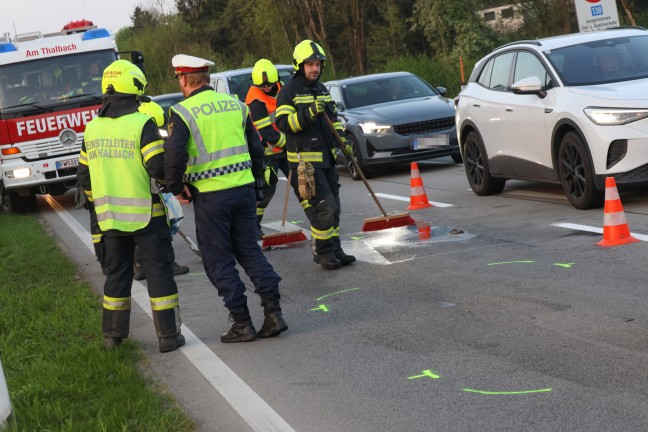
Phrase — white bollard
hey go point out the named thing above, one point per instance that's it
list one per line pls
(5, 404)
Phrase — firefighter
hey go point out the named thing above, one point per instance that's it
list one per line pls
(121, 157)
(212, 157)
(310, 148)
(262, 102)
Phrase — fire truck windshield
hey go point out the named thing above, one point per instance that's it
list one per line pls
(54, 80)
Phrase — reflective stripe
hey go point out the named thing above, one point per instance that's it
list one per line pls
(264, 122)
(293, 122)
(614, 219)
(88, 194)
(285, 110)
(214, 172)
(124, 216)
(282, 140)
(122, 201)
(152, 149)
(113, 303)
(611, 193)
(303, 100)
(260, 211)
(306, 156)
(203, 155)
(163, 303)
(83, 158)
(158, 210)
(336, 232)
(96, 238)
(321, 235)
(305, 204)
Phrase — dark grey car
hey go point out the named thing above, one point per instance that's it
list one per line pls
(394, 117)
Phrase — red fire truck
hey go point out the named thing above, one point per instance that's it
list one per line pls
(50, 87)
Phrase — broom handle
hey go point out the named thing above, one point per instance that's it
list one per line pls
(355, 164)
(285, 212)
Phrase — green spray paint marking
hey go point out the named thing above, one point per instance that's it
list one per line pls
(425, 373)
(566, 265)
(339, 292)
(511, 262)
(506, 392)
(357, 238)
(321, 307)
(295, 222)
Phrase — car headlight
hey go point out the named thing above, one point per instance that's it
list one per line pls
(614, 116)
(372, 128)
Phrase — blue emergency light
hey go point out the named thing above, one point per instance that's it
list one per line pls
(95, 34)
(7, 47)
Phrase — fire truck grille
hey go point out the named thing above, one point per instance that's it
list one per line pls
(49, 148)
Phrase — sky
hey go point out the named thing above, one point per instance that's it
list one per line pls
(49, 16)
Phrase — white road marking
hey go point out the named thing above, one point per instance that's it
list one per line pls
(249, 405)
(592, 229)
(406, 199)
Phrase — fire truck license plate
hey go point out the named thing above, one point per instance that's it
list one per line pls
(70, 163)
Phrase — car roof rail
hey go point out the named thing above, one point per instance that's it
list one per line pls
(522, 42)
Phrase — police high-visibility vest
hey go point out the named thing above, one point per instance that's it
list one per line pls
(218, 152)
(121, 186)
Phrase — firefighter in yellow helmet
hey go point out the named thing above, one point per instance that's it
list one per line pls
(300, 106)
(122, 153)
(262, 101)
(213, 157)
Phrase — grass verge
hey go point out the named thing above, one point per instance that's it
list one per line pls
(59, 377)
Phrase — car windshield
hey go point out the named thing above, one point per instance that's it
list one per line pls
(53, 80)
(600, 62)
(385, 90)
(240, 84)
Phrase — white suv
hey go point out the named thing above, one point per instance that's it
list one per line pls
(569, 109)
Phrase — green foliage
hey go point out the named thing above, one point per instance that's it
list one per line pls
(58, 375)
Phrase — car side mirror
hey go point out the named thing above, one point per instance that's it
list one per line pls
(339, 106)
(442, 90)
(530, 85)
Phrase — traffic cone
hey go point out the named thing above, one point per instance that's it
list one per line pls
(615, 225)
(418, 197)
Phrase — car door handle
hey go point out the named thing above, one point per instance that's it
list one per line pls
(548, 110)
(476, 105)
(508, 109)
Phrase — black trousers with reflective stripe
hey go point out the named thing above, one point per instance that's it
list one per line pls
(324, 211)
(156, 259)
(226, 233)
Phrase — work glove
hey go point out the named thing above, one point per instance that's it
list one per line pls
(347, 150)
(80, 198)
(316, 108)
(270, 176)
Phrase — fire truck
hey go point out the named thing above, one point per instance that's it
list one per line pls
(50, 88)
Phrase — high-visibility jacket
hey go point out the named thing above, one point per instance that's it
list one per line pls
(310, 138)
(121, 186)
(218, 152)
(264, 122)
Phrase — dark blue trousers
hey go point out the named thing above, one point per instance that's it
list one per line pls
(226, 233)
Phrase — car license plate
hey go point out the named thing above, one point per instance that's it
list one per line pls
(430, 141)
(70, 163)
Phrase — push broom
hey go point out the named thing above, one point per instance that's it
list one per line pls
(381, 222)
(283, 238)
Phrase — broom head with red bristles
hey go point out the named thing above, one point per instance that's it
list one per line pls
(283, 238)
(386, 222)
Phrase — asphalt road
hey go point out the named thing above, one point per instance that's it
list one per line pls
(508, 323)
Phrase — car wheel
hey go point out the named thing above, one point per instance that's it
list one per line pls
(576, 173)
(456, 157)
(476, 164)
(351, 167)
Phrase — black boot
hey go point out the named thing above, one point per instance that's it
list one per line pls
(274, 322)
(171, 343)
(344, 258)
(242, 330)
(328, 262)
(110, 343)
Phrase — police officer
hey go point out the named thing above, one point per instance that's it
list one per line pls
(212, 156)
(300, 105)
(121, 155)
(262, 102)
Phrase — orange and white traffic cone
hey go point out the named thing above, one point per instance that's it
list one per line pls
(615, 226)
(418, 197)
